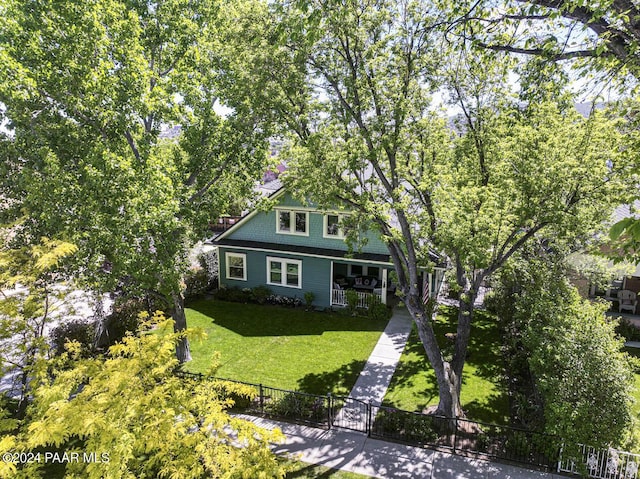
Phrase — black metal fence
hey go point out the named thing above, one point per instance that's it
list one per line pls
(461, 436)
(465, 436)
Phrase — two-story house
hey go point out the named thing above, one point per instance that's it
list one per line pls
(294, 248)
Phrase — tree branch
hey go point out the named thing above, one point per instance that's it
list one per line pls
(545, 53)
(132, 144)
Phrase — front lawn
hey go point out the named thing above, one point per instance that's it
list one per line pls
(282, 347)
(484, 392)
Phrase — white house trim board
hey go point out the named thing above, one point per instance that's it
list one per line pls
(384, 285)
(295, 253)
(331, 284)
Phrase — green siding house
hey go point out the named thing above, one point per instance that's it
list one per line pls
(294, 248)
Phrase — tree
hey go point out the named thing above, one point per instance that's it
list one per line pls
(28, 303)
(138, 418)
(574, 360)
(86, 89)
(560, 29)
(353, 80)
(600, 39)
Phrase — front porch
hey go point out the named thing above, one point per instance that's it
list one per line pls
(370, 282)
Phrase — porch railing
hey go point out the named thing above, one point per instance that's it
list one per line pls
(339, 298)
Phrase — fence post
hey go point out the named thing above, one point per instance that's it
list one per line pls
(559, 465)
(369, 419)
(455, 433)
(329, 408)
(261, 400)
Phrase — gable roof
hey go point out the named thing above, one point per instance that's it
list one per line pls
(274, 194)
(225, 239)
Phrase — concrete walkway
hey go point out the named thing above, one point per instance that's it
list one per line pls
(373, 382)
(355, 452)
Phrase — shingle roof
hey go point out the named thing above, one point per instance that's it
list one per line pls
(307, 250)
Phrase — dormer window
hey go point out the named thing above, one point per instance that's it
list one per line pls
(333, 226)
(291, 222)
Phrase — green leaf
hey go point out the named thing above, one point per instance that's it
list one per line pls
(617, 229)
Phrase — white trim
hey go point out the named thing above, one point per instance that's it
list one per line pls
(231, 254)
(325, 225)
(292, 221)
(337, 259)
(284, 262)
(297, 208)
(331, 283)
(384, 286)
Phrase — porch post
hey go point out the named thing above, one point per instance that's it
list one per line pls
(431, 287)
(384, 286)
(331, 285)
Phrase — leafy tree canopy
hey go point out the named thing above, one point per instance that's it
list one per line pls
(148, 422)
(574, 358)
(87, 88)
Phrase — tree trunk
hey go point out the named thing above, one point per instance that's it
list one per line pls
(448, 381)
(183, 352)
(468, 294)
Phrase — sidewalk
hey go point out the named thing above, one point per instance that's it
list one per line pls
(373, 382)
(355, 452)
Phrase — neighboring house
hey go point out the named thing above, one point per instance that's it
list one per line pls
(294, 248)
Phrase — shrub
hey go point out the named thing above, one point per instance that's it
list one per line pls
(298, 406)
(419, 428)
(124, 318)
(260, 294)
(209, 263)
(234, 294)
(284, 301)
(628, 330)
(196, 284)
(78, 330)
(352, 300)
(308, 298)
(406, 426)
(241, 395)
(376, 310)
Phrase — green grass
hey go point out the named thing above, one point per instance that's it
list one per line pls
(484, 392)
(282, 347)
(303, 470)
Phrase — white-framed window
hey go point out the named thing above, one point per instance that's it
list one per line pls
(236, 265)
(333, 226)
(284, 272)
(356, 269)
(364, 270)
(292, 222)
